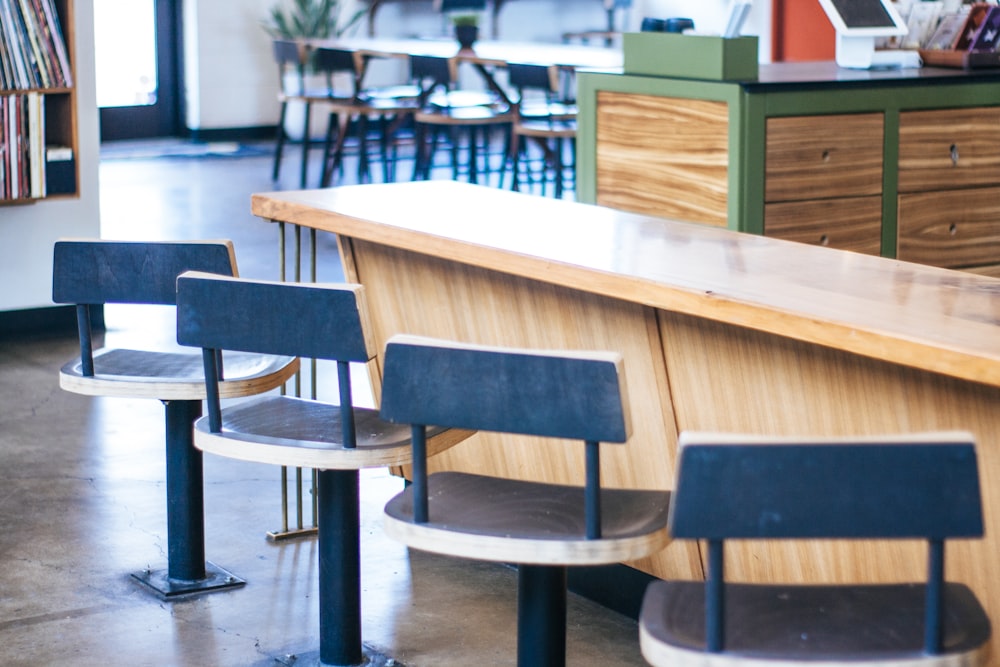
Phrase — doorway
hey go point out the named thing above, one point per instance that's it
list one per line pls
(138, 46)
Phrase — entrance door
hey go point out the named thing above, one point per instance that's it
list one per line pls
(137, 47)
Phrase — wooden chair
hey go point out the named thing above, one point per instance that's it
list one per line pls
(387, 108)
(320, 322)
(730, 487)
(542, 118)
(472, 115)
(541, 527)
(91, 272)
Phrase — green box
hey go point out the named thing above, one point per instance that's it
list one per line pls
(691, 56)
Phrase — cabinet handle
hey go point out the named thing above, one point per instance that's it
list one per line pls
(954, 154)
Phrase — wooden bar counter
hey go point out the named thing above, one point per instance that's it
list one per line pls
(720, 331)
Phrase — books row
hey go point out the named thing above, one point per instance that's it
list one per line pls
(22, 146)
(33, 51)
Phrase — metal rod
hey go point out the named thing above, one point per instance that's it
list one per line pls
(715, 602)
(86, 340)
(339, 568)
(592, 491)
(934, 603)
(541, 615)
(185, 494)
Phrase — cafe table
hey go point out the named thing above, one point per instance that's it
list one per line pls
(486, 56)
(719, 330)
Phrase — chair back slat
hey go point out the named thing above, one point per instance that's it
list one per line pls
(294, 319)
(333, 60)
(558, 394)
(925, 488)
(99, 272)
(533, 77)
(430, 70)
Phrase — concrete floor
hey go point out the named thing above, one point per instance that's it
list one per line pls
(82, 499)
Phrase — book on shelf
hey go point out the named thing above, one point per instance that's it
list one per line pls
(32, 47)
(22, 146)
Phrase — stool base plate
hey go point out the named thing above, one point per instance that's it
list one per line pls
(372, 658)
(216, 579)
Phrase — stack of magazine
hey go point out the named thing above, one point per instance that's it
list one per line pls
(964, 36)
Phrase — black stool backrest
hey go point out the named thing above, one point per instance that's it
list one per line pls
(90, 272)
(329, 62)
(290, 55)
(293, 319)
(533, 77)
(430, 73)
(856, 489)
(555, 394)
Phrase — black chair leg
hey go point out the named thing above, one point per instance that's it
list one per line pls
(541, 616)
(305, 148)
(279, 143)
(187, 572)
(339, 518)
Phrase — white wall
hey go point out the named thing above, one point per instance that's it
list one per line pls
(231, 80)
(28, 232)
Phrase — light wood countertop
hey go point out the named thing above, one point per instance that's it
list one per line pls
(931, 319)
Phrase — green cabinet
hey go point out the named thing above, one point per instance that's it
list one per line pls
(871, 161)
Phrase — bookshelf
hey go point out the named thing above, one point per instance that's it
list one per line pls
(38, 142)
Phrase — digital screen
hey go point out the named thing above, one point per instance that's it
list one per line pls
(863, 13)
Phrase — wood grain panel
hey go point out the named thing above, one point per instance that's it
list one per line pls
(421, 295)
(816, 157)
(846, 224)
(955, 229)
(948, 148)
(735, 380)
(663, 156)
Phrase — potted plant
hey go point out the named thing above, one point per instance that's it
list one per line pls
(300, 20)
(310, 19)
(466, 29)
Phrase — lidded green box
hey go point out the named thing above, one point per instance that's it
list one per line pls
(691, 56)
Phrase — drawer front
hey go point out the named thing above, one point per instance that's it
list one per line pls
(947, 149)
(956, 229)
(845, 224)
(663, 156)
(819, 157)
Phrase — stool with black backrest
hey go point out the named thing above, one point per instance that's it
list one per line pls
(90, 273)
(316, 321)
(542, 118)
(386, 108)
(731, 487)
(541, 527)
(443, 108)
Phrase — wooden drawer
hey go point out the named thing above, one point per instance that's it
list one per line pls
(954, 229)
(947, 149)
(663, 156)
(846, 224)
(819, 157)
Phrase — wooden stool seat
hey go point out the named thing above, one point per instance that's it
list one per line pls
(543, 528)
(295, 432)
(95, 272)
(788, 624)
(173, 375)
(514, 521)
(732, 487)
(314, 321)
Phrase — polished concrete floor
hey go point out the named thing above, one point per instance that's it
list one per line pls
(82, 499)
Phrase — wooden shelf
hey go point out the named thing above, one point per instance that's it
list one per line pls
(56, 124)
